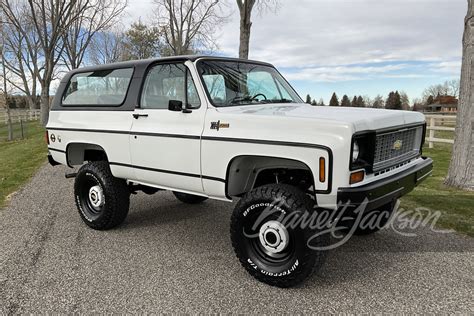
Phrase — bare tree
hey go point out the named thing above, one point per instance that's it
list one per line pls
(189, 25)
(49, 20)
(4, 88)
(19, 55)
(92, 16)
(461, 168)
(107, 47)
(454, 86)
(245, 8)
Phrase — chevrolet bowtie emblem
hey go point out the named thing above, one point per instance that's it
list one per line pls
(397, 145)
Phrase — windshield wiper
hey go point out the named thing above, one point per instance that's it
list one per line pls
(277, 101)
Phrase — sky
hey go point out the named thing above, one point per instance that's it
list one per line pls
(356, 47)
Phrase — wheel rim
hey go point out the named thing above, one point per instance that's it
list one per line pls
(96, 197)
(271, 243)
(274, 237)
(92, 198)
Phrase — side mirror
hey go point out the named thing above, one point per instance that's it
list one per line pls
(175, 105)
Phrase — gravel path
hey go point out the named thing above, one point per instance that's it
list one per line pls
(171, 257)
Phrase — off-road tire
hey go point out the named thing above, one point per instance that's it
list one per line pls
(115, 192)
(300, 260)
(189, 198)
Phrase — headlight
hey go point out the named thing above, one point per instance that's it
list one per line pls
(363, 149)
(355, 152)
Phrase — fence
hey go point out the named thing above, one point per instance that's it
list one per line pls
(20, 115)
(437, 122)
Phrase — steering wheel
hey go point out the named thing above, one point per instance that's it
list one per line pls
(257, 95)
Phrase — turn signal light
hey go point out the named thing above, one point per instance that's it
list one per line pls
(356, 177)
(322, 169)
(46, 135)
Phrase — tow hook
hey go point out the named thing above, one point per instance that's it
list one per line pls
(70, 175)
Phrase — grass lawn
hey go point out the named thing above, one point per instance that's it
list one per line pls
(457, 206)
(20, 159)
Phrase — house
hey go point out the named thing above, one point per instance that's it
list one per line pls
(443, 103)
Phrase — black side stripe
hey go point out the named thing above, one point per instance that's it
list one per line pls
(210, 138)
(58, 150)
(123, 132)
(184, 174)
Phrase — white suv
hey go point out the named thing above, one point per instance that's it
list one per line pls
(222, 128)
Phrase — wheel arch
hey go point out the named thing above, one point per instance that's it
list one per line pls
(79, 152)
(245, 172)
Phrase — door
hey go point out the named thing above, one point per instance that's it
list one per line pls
(165, 144)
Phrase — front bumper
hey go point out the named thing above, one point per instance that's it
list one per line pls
(387, 190)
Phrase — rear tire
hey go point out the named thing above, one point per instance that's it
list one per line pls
(101, 199)
(189, 198)
(265, 242)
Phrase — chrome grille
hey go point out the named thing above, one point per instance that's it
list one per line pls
(396, 146)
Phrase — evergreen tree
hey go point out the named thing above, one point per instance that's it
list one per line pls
(345, 101)
(314, 102)
(360, 101)
(394, 101)
(321, 102)
(354, 102)
(430, 100)
(308, 99)
(334, 100)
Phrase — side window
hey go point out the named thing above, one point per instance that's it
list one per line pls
(98, 88)
(167, 82)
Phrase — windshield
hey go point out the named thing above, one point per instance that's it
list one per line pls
(230, 83)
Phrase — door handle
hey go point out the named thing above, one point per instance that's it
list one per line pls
(136, 116)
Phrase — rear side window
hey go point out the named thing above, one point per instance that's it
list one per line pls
(98, 88)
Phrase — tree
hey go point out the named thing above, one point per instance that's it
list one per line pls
(345, 101)
(368, 102)
(321, 102)
(188, 25)
(379, 102)
(141, 41)
(360, 101)
(245, 9)
(334, 100)
(48, 21)
(454, 86)
(98, 16)
(4, 88)
(461, 167)
(308, 99)
(21, 51)
(314, 103)
(107, 47)
(405, 101)
(354, 102)
(394, 101)
(430, 100)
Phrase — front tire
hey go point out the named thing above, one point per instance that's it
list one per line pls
(189, 198)
(101, 199)
(267, 245)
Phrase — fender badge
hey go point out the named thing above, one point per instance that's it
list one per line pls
(53, 138)
(218, 125)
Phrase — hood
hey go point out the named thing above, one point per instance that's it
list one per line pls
(360, 118)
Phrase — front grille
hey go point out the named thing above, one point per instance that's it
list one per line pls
(394, 147)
